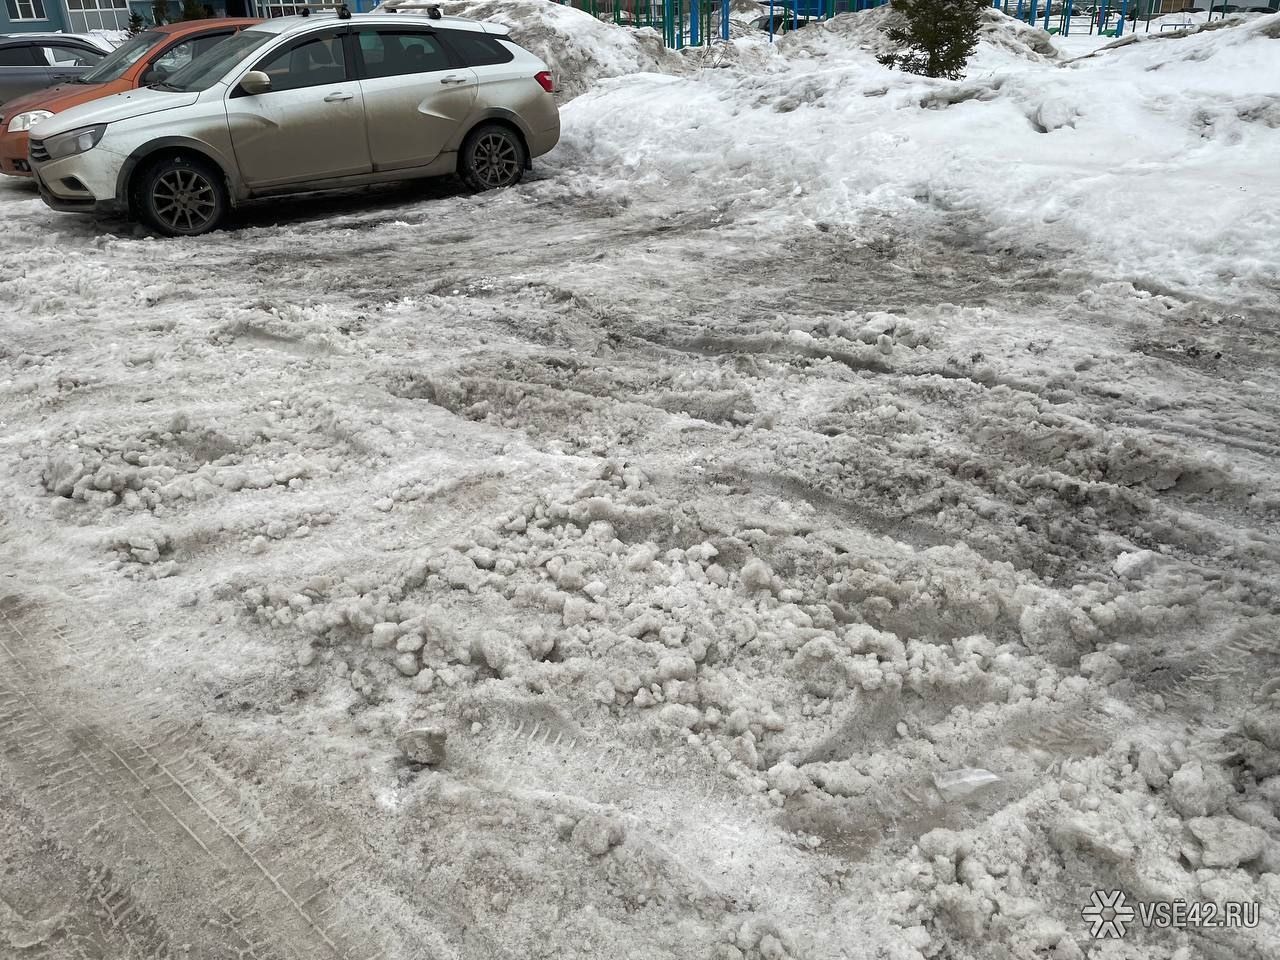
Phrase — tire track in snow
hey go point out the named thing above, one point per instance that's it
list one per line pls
(160, 801)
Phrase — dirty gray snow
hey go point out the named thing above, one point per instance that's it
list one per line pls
(714, 547)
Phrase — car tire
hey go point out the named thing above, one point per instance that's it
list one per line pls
(182, 196)
(492, 157)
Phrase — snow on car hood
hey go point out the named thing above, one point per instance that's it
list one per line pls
(121, 106)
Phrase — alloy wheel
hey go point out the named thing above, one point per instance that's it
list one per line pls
(496, 161)
(184, 200)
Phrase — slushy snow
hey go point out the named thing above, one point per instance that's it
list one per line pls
(822, 513)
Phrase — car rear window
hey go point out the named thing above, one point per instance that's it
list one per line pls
(477, 49)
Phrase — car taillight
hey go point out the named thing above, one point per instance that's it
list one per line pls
(544, 78)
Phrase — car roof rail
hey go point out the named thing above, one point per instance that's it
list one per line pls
(342, 12)
(432, 10)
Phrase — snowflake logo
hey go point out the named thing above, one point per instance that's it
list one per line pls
(1107, 914)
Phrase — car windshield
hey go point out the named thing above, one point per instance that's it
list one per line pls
(122, 58)
(206, 70)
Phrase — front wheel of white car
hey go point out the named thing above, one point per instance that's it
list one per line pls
(182, 196)
(492, 156)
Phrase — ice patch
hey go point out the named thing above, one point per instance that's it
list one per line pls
(958, 784)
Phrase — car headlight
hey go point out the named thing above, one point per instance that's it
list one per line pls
(23, 121)
(74, 141)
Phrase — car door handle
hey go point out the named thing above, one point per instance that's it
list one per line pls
(338, 95)
(452, 80)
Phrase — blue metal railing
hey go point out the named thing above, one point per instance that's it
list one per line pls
(700, 22)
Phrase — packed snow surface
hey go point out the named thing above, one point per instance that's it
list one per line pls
(822, 513)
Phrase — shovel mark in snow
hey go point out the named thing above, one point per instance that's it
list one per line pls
(259, 336)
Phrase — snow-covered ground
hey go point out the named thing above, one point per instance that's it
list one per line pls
(822, 513)
(1080, 41)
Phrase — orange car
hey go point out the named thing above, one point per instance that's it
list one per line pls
(141, 60)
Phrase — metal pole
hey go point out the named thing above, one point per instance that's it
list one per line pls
(1032, 18)
(1048, 6)
(1124, 11)
(771, 21)
(1066, 26)
(693, 23)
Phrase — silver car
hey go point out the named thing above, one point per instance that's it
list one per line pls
(302, 104)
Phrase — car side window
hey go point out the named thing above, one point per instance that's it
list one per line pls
(57, 55)
(309, 64)
(18, 56)
(176, 57)
(202, 44)
(477, 49)
(180, 54)
(398, 53)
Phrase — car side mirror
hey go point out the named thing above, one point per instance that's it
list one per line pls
(255, 83)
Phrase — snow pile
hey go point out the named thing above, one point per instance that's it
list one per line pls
(1122, 156)
(1190, 20)
(113, 37)
(1002, 37)
(580, 49)
(1193, 23)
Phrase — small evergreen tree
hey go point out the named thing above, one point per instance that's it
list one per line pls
(136, 24)
(938, 37)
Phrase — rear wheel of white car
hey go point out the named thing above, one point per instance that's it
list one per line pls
(182, 196)
(492, 157)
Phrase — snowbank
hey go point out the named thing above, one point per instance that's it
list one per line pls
(1169, 21)
(1001, 37)
(1153, 159)
(580, 49)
